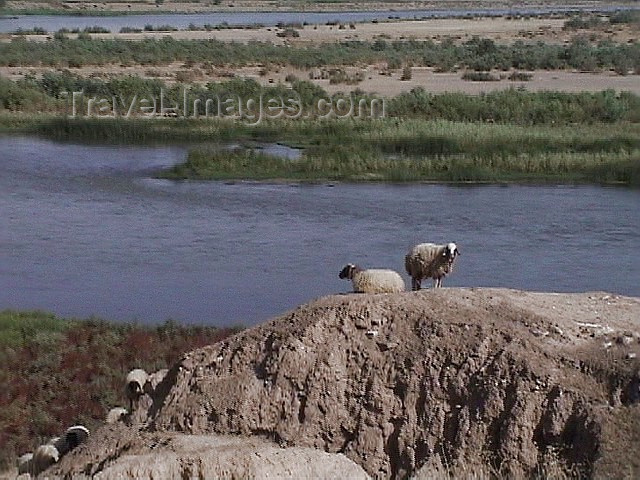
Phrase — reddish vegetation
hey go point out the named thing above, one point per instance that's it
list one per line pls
(75, 374)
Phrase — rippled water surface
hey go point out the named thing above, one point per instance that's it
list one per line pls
(86, 230)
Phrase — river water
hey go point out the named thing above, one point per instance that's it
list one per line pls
(52, 23)
(86, 230)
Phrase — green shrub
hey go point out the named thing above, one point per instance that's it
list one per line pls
(477, 54)
(406, 73)
(479, 77)
(625, 16)
(520, 76)
(288, 33)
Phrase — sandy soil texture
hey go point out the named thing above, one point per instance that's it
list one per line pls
(412, 383)
(377, 79)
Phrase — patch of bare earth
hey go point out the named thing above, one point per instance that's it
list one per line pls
(376, 79)
(412, 383)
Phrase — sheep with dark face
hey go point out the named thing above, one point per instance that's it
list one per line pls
(372, 280)
(428, 260)
(50, 453)
(73, 437)
(134, 386)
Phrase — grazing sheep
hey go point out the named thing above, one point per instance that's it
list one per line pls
(24, 463)
(51, 452)
(43, 458)
(73, 437)
(372, 280)
(116, 414)
(134, 388)
(428, 260)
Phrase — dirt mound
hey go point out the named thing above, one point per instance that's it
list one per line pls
(119, 452)
(417, 382)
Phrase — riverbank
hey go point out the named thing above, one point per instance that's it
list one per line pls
(120, 7)
(372, 150)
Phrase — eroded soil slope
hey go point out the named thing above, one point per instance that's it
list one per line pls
(411, 382)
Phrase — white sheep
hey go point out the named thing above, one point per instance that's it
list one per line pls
(134, 386)
(116, 414)
(44, 457)
(24, 463)
(373, 280)
(428, 260)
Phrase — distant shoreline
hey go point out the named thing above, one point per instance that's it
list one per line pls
(490, 9)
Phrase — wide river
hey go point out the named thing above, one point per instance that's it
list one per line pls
(86, 230)
(52, 23)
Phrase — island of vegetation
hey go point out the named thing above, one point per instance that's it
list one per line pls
(456, 108)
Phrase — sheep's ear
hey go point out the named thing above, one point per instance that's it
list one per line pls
(457, 251)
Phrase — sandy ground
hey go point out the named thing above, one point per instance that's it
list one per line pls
(505, 30)
(374, 81)
(426, 78)
(285, 5)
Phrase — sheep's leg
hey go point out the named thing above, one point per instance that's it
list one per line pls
(415, 284)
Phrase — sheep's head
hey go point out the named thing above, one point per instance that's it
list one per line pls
(348, 271)
(134, 389)
(451, 251)
(76, 435)
(136, 380)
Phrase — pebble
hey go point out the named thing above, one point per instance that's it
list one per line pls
(540, 333)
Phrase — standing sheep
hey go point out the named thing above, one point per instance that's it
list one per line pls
(372, 280)
(428, 260)
(134, 386)
(44, 457)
